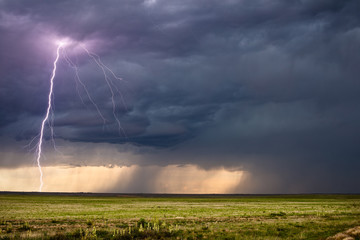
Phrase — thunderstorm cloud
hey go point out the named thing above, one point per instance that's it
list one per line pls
(270, 87)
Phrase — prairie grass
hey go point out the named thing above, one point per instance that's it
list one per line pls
(41, 216)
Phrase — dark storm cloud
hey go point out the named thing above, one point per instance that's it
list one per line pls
(267, 86)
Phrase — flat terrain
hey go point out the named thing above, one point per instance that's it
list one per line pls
(111, 216)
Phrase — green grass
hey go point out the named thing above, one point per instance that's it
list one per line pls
(233, 217)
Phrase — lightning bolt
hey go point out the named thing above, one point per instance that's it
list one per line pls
(110, 84)
(78, 80)
(109, 77)
(46, 118)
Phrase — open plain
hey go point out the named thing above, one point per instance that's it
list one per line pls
(156, 216)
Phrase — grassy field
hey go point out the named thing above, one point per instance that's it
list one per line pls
(46, 216)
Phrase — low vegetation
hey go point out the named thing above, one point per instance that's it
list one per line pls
(41, 216)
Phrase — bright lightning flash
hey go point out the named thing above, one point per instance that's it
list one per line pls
(109, 76)
(46, 118)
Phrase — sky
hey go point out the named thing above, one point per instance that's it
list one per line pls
(231, 96)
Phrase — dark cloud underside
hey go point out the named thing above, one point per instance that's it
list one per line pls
(267, 86)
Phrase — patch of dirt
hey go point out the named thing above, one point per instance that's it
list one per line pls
(350, 234)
